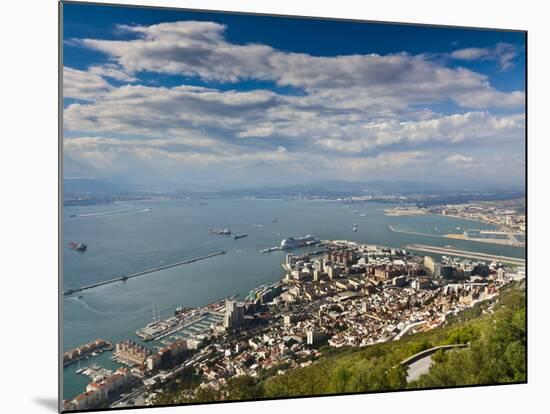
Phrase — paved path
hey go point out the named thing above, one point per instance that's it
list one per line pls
(418, 368)
(420, 363)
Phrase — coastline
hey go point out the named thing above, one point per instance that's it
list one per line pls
(458, 236)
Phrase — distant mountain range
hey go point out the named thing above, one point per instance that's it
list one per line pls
(331, 188)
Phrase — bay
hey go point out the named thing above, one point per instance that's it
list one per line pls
(129, 237)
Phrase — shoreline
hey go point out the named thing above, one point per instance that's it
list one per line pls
(457, 236)
(465, 253)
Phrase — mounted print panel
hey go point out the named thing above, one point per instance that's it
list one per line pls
(261, 207)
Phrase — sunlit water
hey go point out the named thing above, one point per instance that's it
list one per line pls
(127, 237)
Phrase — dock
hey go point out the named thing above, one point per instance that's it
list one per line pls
(467, 254)
(162, 328)
(143, 272)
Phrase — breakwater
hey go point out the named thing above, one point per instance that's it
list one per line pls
(144, 272)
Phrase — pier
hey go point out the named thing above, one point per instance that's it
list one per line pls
(144, 272)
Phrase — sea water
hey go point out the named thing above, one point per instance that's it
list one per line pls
(129, 237)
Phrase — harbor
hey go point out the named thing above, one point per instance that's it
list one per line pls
(188, 323)
(86, 351)
(118, 310)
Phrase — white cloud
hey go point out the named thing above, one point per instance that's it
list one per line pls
(503, 53)
(490, 98)
(199, 49)
(165, 157)
(354, 116)
(471, 53)
(83, 85)
(159, 111)
(113, 71)
(460, 161)
(479, 127)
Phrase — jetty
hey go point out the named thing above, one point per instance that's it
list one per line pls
(124, 278)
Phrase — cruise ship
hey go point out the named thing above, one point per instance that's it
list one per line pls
(294, 243)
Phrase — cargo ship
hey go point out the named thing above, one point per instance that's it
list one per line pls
(239, 236)
(225, 231)
(81, 247)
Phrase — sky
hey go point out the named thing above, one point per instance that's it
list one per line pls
(204, 101)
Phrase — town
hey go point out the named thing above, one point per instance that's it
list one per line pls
(347, 294)
(507, 215)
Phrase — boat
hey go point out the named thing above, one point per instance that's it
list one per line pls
(269, 249)
(239, 236)
(294, 243)
(225, 231)
(81, 247)
(72, 215)
(355, 226)
(363, 215)
(274, 221)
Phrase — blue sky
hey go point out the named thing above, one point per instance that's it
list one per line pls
(201, 100)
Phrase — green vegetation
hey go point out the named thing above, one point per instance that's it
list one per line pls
(496, 355)
(495, 332)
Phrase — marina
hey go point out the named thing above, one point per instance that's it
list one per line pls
(86, 351)
(187, 323)
(94, 372)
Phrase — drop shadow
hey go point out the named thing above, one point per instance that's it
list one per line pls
(48, 403)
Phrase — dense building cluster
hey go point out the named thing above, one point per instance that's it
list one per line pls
(131, 353)
(346, 295)
(510, 218)
(165, 357)
(85, 350)
(98, 393)
(353, 295)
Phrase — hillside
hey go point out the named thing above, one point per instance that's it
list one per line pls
(496, 333)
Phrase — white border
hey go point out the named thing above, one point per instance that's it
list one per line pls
(28, 168)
